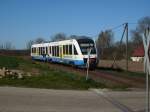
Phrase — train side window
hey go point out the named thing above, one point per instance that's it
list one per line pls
(52, 50)
(36, 50)
(70, 49)
(49, 49)
(32, 50)
(39, 51)
(46, 50)
(55, 50)
(63, 49)
(66, 49)
(43, 50)
(58, 51)
(75, 51)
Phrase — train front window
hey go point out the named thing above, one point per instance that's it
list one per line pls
(85, 44)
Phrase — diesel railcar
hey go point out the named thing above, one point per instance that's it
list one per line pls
(73, 52)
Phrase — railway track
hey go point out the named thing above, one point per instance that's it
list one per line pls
(108, 77)
(103, 76)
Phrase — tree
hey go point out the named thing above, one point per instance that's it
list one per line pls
(8, 46)
(39, 40)
(1, 46)
(73, 37)
(58, 37)
(29, 44)
(105, 40)
(136, 35)
(78, 37)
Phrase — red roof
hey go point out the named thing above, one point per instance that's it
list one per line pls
(138, 52)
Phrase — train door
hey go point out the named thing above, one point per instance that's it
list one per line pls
(61, 51)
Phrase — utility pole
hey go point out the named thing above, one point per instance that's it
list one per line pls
(126, 26)
(125, 31)
(88, 63)
(146, 43)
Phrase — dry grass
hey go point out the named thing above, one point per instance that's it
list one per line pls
(132, 66)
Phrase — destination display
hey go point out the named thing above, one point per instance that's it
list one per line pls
(87, 45)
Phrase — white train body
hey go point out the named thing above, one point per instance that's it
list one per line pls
(73, 51)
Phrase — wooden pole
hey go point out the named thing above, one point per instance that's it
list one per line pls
(126, 26)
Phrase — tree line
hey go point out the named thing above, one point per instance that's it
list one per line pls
(57, 37)
(108, 49)
(106, 46)
(7, 46)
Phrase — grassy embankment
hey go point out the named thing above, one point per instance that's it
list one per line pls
(123, 73)
(43, 76)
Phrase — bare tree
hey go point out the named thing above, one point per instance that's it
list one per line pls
(136, 35)
(39, 40)
(78, 37)
(105, 40)
(8, 46)
(1, 46)
(73, 37)
(58, 37)
(29, 44)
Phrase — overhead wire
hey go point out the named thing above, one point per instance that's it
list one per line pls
(119, 26)
(116, 27)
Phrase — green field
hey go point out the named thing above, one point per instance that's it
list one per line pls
(43, 76)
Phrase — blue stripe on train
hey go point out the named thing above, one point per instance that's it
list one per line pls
(39, 58)
(59, 60)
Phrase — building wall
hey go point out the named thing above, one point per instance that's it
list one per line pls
(137, 59)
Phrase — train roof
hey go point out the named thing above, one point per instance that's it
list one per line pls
(62, 41)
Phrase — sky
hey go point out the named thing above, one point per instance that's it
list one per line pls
(24, 20)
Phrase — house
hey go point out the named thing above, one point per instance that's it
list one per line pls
(138, 54)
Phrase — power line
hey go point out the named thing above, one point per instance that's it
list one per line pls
(121, 25)
(116, 27)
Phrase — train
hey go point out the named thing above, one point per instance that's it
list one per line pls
(72, 52)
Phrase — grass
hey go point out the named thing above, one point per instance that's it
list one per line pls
(47, 77)
(9, 62)
(122, 73)
(53, 80)
(56, 79)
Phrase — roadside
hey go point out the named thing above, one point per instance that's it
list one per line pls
(14, 99)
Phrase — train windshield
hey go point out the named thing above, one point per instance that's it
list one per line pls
(85, 45)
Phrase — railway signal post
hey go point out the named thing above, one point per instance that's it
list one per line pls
(146, 42)
(88, 63)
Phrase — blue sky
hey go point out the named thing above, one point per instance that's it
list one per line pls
(24, 20)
